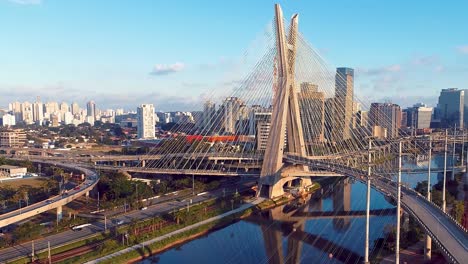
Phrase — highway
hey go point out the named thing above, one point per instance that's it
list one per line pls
(70, 236)
(451, 237)
(54, 202)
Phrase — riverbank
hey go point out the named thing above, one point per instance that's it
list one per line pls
(219, 223)
(160, 243)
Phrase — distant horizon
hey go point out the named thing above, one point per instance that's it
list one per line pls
(171, 54)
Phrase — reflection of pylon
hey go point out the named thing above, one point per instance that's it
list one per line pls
(285, 115)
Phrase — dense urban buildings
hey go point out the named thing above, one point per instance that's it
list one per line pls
(385, 119)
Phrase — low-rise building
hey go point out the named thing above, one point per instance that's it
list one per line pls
(12, 138)
(8, 171)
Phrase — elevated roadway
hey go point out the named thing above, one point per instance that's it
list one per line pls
(55, 202)
(451, 237)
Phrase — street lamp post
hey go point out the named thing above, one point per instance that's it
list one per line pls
(397, 246)
(445, 170)
(366, 250)
(193, 184)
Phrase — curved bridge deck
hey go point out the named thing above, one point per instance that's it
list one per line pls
(451, 238)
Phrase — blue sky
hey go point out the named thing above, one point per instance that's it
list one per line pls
(123, 53)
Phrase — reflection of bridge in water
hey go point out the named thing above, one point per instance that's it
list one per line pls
(289, 221)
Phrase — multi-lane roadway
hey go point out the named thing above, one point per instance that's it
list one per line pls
(175, 202)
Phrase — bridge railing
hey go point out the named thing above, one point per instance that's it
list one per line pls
(418, 195)
(444, 250)
(449, 216)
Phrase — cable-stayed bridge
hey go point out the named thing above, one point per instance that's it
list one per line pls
(291, 118)
(295, 118)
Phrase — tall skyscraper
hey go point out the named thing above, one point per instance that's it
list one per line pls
(91, 111)
(450, 108)
(312, 108)
(146, 121)
(344, 89)
(387, 116)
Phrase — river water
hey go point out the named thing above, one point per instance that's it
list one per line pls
(312, 231)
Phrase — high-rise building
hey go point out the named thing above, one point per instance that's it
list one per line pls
(54, 120)
(27, 112)
(387, 116)
(15, 108)
(91, 111)
(51, 107)
(67, 118)
(75, 108)
(404, 118)
(38, 111)
(344, 100)
(312, 110)
(146, 121)
(262, 124)
(208, 116)
(8, 120)
(119, 111)
(450, 107)
(231, 107)
(362, 118)
(419, 116)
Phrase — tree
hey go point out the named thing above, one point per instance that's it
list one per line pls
(458, 210)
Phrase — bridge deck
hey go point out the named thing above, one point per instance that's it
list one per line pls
(445, 231)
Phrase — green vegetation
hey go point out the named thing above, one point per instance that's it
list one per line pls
(457, 208)
(116, 189)
(139, 231)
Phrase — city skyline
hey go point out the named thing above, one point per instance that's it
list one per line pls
(154, 64)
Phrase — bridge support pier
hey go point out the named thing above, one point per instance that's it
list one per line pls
(276, 189)
(59, 213)
(87, 194)
(428, 248)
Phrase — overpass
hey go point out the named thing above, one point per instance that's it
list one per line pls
(450, 236)
(55, 202)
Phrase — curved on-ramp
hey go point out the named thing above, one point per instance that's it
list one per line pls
(451, 238)
(92, 179)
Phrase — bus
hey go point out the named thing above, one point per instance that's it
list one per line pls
(80, 227)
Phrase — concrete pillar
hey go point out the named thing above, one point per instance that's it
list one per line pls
(59, 213)
(87, 194)
(143, 163)
(428, 248)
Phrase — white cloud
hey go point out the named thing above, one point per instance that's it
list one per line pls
(380, 70)
(26, 2)
(165, 69)
(463, 49)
